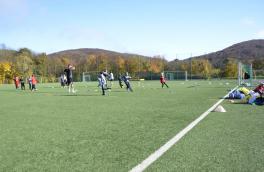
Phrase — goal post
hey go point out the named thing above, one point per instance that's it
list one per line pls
(176, 75)
(245, 74)
(89, 76)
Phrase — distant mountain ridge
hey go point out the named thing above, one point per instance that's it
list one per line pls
(84, 52)
(246, 51)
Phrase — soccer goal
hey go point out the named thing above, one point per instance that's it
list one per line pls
(245, 74)
(176, 75)
(89, 76)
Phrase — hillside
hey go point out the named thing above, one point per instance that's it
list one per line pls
(85, 52)
(5, 54)
(245, 51)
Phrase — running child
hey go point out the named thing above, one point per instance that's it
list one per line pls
(34, 83)
(126, 79)
(16, 81)
(163, 80)
(103, 83)
(29, 83)
(120, 81)
(22, 83)
(63, 80)
(111, 79)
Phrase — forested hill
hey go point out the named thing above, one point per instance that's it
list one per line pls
(24, 62)
(86, 52)
(248, 51)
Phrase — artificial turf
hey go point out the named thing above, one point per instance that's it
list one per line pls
(224, 142)
(52, 130)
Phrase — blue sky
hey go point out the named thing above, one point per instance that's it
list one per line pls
(171, 28)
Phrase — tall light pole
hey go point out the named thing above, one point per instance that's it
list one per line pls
(191, 66)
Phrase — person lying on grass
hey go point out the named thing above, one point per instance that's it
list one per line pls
(254, 97)
(239, 93)
(257, 92)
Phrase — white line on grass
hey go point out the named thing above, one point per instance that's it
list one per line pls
(158, 153)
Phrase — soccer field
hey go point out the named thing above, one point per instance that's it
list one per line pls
(52, 130)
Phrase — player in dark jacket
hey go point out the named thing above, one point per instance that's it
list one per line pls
(22, 83)
(69, 75)
(126, 79)
(120, 81)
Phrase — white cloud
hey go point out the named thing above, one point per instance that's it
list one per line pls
(260, 34)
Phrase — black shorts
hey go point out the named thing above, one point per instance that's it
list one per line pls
(69, 81)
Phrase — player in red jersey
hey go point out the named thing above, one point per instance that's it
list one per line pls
(163, 80)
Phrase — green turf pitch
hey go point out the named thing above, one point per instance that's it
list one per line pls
(52, 130)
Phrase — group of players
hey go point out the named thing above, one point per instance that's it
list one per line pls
(104, 80)
(32, 82)
(247, 96)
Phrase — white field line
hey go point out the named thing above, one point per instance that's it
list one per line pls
(158, 153)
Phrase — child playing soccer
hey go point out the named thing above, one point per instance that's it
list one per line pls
(22, 83)
(120, 81)
(29, 83)
(16, 81)
(126, 78)
(163, 81)
(111, 79)
(34, 83)
(103, 83)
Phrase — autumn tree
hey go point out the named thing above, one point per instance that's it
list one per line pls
(5, 72)
(230, 69)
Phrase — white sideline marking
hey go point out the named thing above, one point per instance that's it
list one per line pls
(158, 153)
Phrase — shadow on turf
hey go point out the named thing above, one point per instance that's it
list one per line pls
(118, 91)
(77, 95)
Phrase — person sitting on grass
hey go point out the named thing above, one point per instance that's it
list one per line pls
(163, 80)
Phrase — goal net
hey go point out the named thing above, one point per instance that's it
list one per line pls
(90, 76)
(245, 74)
(176, 75)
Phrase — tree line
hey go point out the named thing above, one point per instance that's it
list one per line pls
(24, 63)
